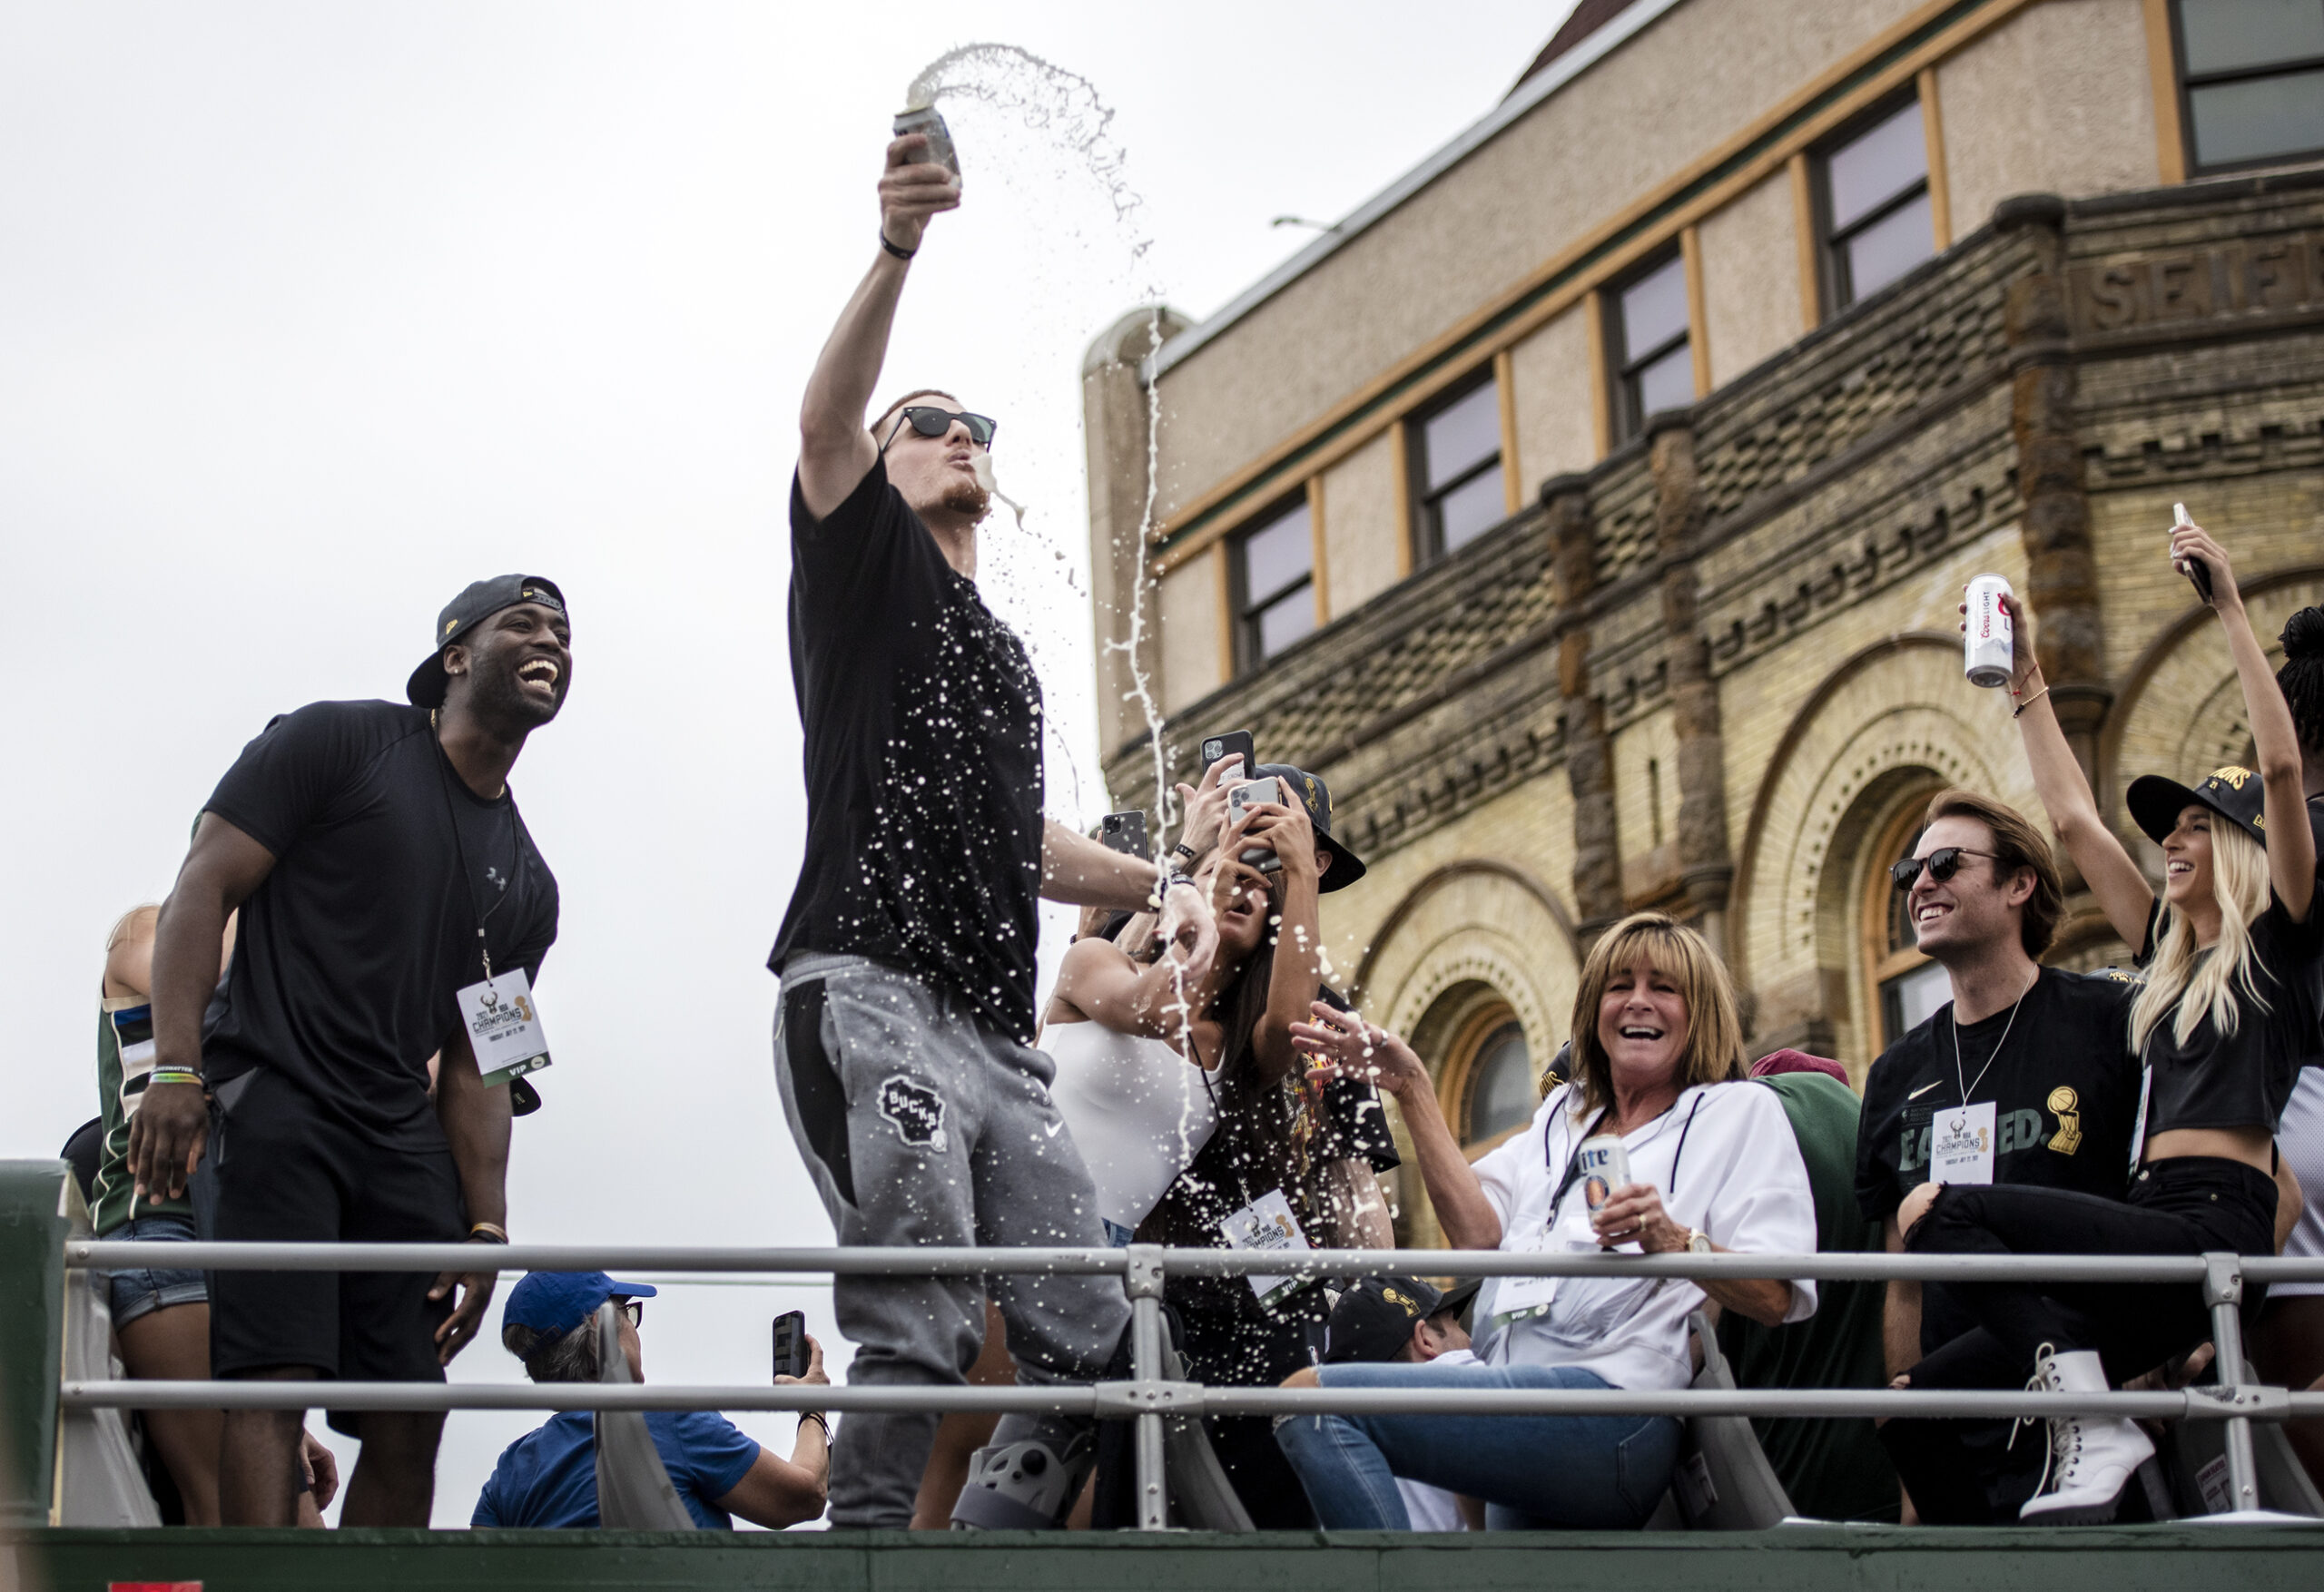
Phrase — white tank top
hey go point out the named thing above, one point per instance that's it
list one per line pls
(1138, 1111)
(2300, 1137)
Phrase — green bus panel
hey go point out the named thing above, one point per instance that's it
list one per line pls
(2205, 1558)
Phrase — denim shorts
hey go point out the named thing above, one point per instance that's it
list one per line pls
(146, 1289)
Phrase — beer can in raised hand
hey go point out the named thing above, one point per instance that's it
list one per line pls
(1604, 1163)
(1988, 642)
(940, 149)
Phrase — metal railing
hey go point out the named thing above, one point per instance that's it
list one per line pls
(1148, 1399)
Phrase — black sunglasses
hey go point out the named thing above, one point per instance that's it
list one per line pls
(634, 1309)
(1942, 864)
(931, 421)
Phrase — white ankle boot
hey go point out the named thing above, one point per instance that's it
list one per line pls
(2092, 1458)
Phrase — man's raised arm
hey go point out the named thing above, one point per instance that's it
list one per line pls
(835, 451)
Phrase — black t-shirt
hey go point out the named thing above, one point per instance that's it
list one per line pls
(2065, 1090)
(923, 760)
(349, 958)
(2240, 1079)
(2066, 1093)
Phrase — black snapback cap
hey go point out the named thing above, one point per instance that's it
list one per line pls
(1316, 797)
(480, 602)
(2233, 793)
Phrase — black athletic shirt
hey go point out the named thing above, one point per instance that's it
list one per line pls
(2240, 1079)
(349, 958)
(2066, 1092)
(923, 760)
(2068, 1062)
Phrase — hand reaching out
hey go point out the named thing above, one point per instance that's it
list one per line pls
(1350, 1047)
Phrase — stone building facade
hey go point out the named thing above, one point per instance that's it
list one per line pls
(1703, 656)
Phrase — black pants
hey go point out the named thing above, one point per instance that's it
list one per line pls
(2182, 1206)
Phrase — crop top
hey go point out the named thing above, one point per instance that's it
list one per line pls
(2244, 1078)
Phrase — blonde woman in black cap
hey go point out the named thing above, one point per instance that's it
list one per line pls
(2232, 950)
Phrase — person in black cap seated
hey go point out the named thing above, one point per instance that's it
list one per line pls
(548, 1477)
(1403, 1321)
(2232, 950)
(392, 904)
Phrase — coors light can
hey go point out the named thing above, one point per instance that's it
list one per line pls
(1605, 1166)
(1987, 645)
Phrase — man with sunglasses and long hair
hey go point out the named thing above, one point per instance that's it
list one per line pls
(903, 1045)
(2025, 1076)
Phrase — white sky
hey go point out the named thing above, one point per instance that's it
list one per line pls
(309, 315)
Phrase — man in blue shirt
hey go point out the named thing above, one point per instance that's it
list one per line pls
(549, 1477)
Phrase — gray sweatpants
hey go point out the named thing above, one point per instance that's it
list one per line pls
(922, 1126)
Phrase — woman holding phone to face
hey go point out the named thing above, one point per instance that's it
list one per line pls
(1277, 1136)
(2233, 956)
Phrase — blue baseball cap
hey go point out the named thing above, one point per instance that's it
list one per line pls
(555, 1303)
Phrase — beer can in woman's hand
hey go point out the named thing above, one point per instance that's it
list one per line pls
(1605, 1166)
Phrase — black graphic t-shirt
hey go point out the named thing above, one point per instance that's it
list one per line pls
(922, 721)
(2066, 1093)
(2065, 1090)
(349, 959)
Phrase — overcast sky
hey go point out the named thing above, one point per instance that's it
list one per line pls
(312, 314)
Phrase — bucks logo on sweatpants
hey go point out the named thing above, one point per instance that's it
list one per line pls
(915, 1111)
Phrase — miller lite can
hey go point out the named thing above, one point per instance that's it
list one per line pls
(1988, 643)
(925, 119)
(1605, 1166)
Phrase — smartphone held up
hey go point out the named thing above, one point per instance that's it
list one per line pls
(2194, 569)
(1241, 799)
(791, 1354)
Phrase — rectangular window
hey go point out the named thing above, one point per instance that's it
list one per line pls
(2251, 80)
(1876, 204)
(1648, 346)
(1455, 459)
(1274, 584)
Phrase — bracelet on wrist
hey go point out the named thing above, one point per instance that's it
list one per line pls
(1185, 850)
(490, 1231)
(896, 249)
(173, 1075)
(817, 1416)
(2019, 711)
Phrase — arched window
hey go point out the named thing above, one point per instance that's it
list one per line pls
(1501, 1095)
(1904, 986)
(1486, 1082)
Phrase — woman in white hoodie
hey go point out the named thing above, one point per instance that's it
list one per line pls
(1657, 1059)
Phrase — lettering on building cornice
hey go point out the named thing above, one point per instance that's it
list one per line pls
(2234, 279)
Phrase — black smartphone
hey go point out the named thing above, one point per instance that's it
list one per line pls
(1125, 833)
(1215, 747)
(790, 1356)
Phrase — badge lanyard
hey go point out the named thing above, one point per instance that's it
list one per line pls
(460, 852)
(1573, 1162)
(2005, 1027)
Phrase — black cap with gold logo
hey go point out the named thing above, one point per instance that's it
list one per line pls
(480, 602)
(2234, 794)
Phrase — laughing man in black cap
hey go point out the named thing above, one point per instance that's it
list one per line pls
(391, 899)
